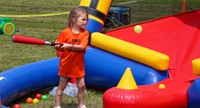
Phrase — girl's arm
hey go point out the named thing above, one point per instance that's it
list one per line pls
(77, 48)
(74, 48)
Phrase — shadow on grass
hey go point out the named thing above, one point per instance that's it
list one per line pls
(72, 105)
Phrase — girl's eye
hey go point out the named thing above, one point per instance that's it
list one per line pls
(84, 19)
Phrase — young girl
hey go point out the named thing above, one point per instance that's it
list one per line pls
(74, 40)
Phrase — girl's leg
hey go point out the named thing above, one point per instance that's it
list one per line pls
(62, 84)
(81, 91)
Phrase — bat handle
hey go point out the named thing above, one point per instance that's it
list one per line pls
(52, 43)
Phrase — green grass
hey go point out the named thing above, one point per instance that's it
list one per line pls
(48, 28)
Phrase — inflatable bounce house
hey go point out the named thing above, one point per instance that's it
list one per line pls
(154, 64)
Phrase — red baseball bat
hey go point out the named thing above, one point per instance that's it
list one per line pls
(29, 40)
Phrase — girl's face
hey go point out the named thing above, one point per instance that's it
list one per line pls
(81, 21)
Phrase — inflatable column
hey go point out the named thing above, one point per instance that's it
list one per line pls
(97, 10)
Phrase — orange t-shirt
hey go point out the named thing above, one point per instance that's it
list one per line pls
(72, 63)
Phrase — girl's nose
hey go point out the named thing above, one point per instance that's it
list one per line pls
(85, 22)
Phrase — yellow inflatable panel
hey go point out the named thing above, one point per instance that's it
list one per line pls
(97, 9)
(196, 66)
(131, 51)
(104, 6)
(85, 3)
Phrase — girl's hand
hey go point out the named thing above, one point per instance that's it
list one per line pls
(58, 47)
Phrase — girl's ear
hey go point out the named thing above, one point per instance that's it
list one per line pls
(74, 19)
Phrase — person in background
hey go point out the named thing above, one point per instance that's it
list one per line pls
(72, 42)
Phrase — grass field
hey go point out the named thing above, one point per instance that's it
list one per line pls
(13, 55)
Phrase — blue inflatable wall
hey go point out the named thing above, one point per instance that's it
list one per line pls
(24, 79)
(104, 70)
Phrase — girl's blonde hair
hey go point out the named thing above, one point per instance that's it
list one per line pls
(74, 14)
